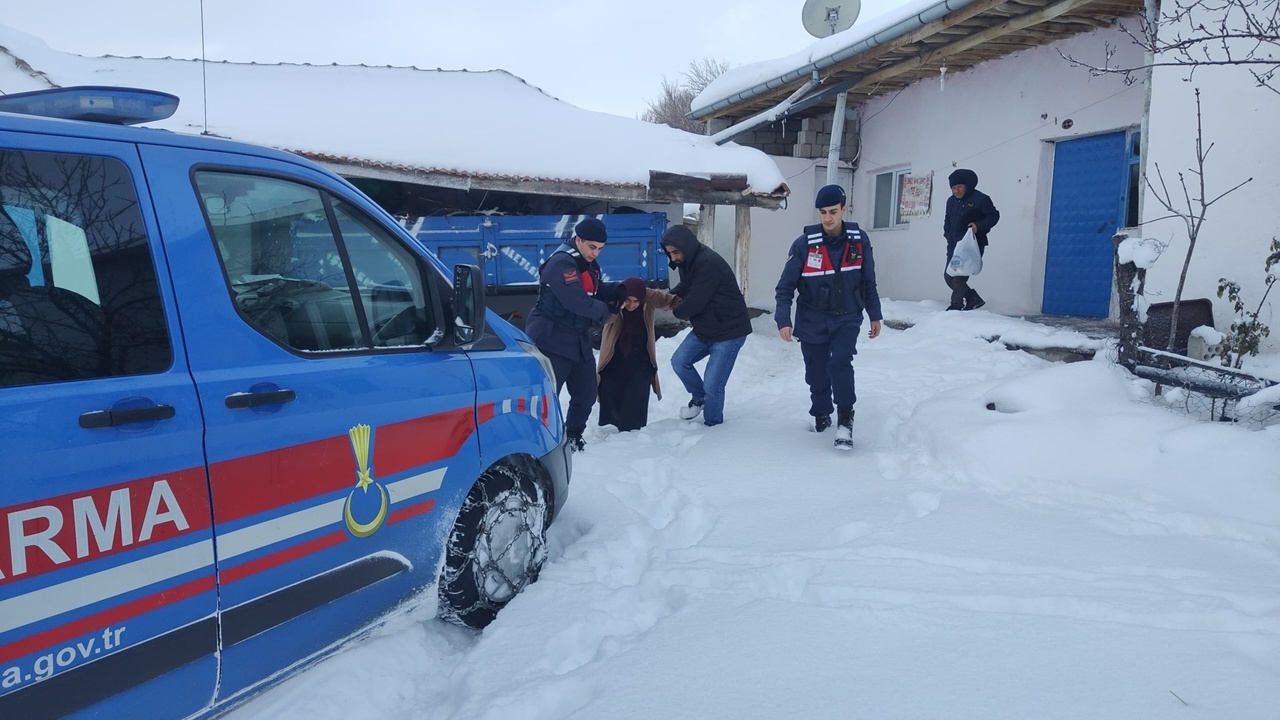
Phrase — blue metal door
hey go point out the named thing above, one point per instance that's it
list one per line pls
(1089, 177)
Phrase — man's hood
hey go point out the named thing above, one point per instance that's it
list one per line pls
(682, 239)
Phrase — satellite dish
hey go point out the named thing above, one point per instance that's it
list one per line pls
(823, 18)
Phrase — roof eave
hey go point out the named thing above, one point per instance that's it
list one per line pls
(923, 19)
(589, 190)
(979, 31)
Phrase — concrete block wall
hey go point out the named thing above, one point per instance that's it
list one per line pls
(814, 138)
(801, 138)
(773, 139)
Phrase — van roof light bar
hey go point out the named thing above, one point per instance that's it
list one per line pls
(111, 105)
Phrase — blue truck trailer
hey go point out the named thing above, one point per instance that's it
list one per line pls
(510, 248)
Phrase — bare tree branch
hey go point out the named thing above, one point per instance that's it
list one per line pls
(1196, 33)
(672, 106)
(1191, 211)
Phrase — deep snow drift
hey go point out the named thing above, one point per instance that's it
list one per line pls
(1080, 551)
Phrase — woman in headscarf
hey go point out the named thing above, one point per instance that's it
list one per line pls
(627, 368)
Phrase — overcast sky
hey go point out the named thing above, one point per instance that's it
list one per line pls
(606, 55)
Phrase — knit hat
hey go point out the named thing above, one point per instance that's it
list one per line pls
(968, 178)
(591, 229)
(829, 195)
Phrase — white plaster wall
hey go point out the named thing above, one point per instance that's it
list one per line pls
(1240, 120)
(773, 230)
(995, 119)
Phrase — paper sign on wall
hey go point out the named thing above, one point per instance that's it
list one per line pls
(914, 192)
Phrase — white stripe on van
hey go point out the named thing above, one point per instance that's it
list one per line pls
(256, 537)
(73, 594)
(46, 602)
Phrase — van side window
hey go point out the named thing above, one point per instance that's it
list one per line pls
(310, 271)
(389, 278)
(79, 297)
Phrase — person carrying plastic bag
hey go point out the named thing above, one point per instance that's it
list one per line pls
(970, 214)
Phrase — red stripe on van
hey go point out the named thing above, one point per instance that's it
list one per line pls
(422, 441)
(412, 511)
(246, 486)
(252, 484)
(275, 559)
(61, 634)
(180, 498)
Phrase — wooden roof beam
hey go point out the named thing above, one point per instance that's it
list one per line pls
(972, 41)
(942, 24)
(956, 17)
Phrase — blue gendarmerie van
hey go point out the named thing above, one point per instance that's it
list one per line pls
(244, 415)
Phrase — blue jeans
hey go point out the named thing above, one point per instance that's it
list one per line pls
(722, 355)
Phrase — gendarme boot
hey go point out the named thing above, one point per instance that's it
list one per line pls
(844, 428)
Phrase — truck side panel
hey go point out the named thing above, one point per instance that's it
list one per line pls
(510, 248)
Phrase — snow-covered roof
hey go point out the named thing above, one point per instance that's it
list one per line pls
(748, 80)
(916, 40)
(466, 125)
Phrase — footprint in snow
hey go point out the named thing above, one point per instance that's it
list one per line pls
(846, 534)
(924, 502)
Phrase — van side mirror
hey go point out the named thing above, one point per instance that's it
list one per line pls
(468, 303)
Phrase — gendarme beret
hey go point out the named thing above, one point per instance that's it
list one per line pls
(829, 195)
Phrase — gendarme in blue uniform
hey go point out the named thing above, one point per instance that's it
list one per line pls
(835, 278)
(560, 321)
(569, 302)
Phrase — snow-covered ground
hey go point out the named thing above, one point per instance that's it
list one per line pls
(1011, 538)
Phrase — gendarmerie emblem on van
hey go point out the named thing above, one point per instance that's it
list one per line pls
(359, 501)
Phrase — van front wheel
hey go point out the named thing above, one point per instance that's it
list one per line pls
(497, 546)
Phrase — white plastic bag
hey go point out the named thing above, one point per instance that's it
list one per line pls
(966, 259)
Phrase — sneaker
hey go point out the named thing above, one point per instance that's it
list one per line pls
(975, 305)
(844, 428)
(692, 410)
(821, 422)
(576, 443)
(955, 307)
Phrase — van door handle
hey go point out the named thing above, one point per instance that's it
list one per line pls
(111, 418)
(238, 401)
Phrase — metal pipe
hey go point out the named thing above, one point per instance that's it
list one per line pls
(837, 140)
(768, 116)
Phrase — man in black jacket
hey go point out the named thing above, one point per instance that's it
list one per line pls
(713, 304)
(832, 268)
(571, 297)
(967, 209)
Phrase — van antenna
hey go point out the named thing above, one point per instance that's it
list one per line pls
(204, 80)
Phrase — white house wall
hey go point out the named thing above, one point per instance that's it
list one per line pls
(1239, 119)
(773, 230)
(996, 119)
